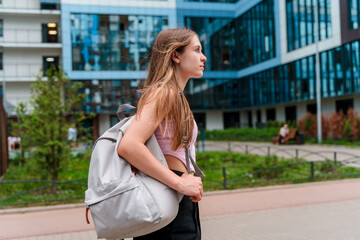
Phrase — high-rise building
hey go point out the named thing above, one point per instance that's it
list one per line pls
(261, 54)
(30, 40)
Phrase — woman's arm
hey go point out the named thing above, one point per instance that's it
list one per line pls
(132, 148)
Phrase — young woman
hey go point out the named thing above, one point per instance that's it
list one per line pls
(163, 109)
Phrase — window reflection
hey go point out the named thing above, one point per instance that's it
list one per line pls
(300, 21)
(105, 96)
(354, 14)
(254, 31)
(113, 42)
(295, 81)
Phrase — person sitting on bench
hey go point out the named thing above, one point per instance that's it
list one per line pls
(282, 133)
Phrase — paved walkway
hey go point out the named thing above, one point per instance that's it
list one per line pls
(312, 211)
(310, 152)
(324, 210)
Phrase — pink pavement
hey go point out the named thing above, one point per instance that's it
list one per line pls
(71, 218)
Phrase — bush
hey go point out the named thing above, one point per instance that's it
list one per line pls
(335, 126)
(241, 134)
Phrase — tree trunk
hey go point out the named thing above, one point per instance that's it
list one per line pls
(54, 185)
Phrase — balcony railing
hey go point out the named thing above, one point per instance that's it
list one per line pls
(25, 35)
(31, 4)
(16, 70)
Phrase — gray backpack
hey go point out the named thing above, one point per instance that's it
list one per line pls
(125, 204)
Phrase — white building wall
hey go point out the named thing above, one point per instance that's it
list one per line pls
(300, 110)
(326, 44)
(357, 103)
(17, 92)
(328, 106)
(280, 113)
(25, 64)
(214, 120)
(26, 29)
(263, 115)
(137, 3)
(243, 119)
(21, 4)
(22, 47)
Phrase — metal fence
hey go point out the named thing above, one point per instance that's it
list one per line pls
(33, 187)
(318, 165)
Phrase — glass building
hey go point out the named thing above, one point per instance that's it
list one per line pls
(260, 56)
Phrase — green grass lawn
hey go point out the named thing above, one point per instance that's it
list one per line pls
(23, 180)
(245, 170)
(242, 170)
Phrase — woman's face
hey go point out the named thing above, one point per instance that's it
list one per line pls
(191, 61)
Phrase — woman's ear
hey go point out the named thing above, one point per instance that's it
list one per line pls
(175, 57)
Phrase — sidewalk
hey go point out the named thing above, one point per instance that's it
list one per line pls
(325, 210)
(309, 152)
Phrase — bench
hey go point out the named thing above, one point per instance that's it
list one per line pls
(292, 135)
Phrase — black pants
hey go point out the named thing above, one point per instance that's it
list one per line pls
(185, 226)
(281, 139)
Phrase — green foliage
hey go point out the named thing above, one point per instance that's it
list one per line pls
(274, 124)
(71, 191)
(55, 106)
(347, 129)
(308, 123)
(242, 134)
(244, 170)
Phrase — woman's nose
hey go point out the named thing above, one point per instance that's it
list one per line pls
(203, 59)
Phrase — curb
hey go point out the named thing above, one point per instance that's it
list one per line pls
(42, 208)
(210, 193)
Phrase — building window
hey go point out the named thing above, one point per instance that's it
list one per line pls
(254, 31)
(231, 119)
(213, 1)
(217, 41)
(311, 108)
(1, 61)
(270, 114)
(344, 105)
(113, 42)
(105, 96)
(301, 22)
(50, 4)
(354, 13)
(290, 114)
(48, 61)
(291, 82)
(200, 119)
(1, 28)
(49, 33)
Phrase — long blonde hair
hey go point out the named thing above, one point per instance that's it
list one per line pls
(162, 85)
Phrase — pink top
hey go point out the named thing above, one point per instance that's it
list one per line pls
(165, 144)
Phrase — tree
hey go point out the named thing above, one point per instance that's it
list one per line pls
(55, 106)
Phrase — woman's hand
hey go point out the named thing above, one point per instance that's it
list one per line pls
(191, 186)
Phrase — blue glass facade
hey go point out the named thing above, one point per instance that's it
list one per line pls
(105, 96)
(300, 21)
(354, 13)
(254, 31)
(107, 50)
(213, 1)
(291, 82)
(113, 42)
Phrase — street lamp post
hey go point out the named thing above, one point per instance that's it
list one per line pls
(317, 70)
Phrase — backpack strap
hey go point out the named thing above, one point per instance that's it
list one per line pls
(198, 171)
(122, 108)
